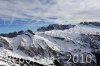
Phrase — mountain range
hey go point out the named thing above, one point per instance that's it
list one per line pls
(53, 45)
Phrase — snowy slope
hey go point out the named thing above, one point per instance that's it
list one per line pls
(45, 47)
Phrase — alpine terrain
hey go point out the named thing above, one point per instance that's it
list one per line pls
(54, 45)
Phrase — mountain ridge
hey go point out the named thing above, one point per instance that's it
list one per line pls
(52, 47)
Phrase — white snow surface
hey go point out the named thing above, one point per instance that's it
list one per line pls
(71, 42)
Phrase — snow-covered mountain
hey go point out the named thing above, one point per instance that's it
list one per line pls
(53, 48)
(55, 27)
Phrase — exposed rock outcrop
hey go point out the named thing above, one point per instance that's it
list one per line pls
(5, 44)
(90, 23)
(55, 27)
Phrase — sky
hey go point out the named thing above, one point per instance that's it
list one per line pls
(30, 14)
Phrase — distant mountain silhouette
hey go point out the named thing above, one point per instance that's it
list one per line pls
(55, 27)
(14, 34)
(90, 23)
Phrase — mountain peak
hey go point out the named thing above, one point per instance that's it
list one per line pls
(55, 27)
(14, 34)
(90, 23)
(30, 31)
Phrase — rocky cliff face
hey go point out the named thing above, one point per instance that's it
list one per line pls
(4, 43)
(55, 27)
(94, 41)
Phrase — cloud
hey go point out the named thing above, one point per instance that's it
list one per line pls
(62, 10)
